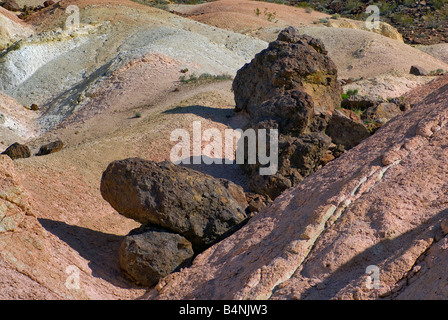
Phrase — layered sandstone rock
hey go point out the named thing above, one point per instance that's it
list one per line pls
(381, 204)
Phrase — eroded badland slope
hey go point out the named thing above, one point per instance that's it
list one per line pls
(109, 89)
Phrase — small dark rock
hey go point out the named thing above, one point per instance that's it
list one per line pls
(48, 3)
(383, 112)
(418, 71)
(346, 131)
(52, 147)
(17, 151)
(359, 102)
(11, 5)
(256, 202)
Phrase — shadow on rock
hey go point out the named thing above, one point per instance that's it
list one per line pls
(384, 255)
(218, 168)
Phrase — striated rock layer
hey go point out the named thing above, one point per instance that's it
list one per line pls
(382, 204)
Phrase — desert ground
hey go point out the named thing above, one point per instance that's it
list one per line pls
(111, 88)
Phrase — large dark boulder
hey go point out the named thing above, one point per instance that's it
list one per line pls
(292, 62)
(292, 87)
(195, 205)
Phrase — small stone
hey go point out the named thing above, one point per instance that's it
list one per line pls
(11, 5)
(418, 71)
(48, 3)
(52, 147)
(17, 151)
(444, 226)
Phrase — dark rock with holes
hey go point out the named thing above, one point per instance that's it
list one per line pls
(292, 62)
(291, 87)
(195, 205)
(298, 157)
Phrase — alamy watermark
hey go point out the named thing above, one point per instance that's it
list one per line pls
(73, 280)
(373, 21)
(216, 147)
(72, 20)
(373, 278)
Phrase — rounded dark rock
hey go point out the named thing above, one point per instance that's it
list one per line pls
(17, 151)
(148, 254)
(192, 204)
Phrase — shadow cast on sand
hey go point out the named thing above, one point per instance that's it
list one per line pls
(221, 115)
(99, 248)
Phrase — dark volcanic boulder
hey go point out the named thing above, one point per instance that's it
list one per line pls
(148, 254)
(292, 112)
(17, 151)
(195, 205)
(298, 158)
(292, 62)
(292, 87)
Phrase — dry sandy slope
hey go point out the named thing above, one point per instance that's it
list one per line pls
(70, 224)
(241, 15)
(439, 51)
(357, 53)
(12, 28)
(60, 69)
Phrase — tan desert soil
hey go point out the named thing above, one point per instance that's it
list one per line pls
(439, 51)
(357, 53)
(240, 16)
(17, 122)
(389, 85)
(71, 226)
(12, 28)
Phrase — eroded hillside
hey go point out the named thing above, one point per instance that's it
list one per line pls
(117, 85)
